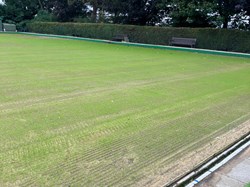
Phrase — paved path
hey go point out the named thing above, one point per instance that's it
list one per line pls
(236, 173)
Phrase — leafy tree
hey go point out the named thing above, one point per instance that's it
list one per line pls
(94, 4)
(180, 13)
(81, 8)
(19, 10)
(192, 13)
(137, 12)
(66, 10)
(2, 12)
(228, 8)
(44, 15)
(246, 9)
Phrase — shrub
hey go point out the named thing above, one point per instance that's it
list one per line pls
(44, 16)
(22, 26)
(207, 38)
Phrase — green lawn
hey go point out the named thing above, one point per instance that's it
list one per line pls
(77, 113)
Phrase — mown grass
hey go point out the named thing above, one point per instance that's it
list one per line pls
(81, 113)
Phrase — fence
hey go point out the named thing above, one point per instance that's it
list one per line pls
(9, 27)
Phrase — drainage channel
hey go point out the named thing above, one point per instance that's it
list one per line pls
(205, 169)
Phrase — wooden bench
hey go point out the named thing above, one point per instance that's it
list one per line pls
(120, 38)
(189, 42)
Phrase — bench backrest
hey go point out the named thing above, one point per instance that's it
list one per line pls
(121, 37)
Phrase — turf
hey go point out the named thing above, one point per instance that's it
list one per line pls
(80, 113)
(247, 185)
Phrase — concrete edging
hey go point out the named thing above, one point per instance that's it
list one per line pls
(207, 168)
(220, 164)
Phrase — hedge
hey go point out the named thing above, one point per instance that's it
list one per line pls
(207, 38)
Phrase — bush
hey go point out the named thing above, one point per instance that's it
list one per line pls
(22, 26)
(82, 20)
(207, 38)
(44, 16)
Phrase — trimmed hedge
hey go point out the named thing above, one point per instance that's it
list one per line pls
(207, 38)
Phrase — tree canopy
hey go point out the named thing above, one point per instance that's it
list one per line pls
(179, 13)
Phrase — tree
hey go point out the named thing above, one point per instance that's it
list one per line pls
(137, 12)
(246, 9)
(180, 13)
(228, 8)
(94, 4)
(192, 13)
(66, 10)
(19, 10)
